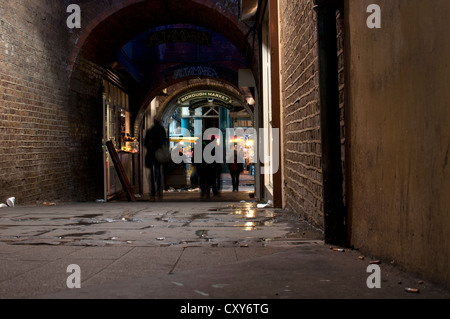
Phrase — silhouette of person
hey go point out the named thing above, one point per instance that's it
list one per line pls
(235, 170)
(154, 139)
(211, 173)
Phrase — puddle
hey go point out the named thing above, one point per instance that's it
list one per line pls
(89, 216)
(199, 216)
(132, 220)
(82, 234)
(201, 233)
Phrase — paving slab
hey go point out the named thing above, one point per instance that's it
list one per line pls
(193, 250)
(308, 272)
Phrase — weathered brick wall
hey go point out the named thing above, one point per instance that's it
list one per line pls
(301, 107)
(33, 96)
(342, 104)
(46, 130)
(300, 97)
(50, 126)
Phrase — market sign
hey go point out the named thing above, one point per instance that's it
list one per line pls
(185, 99)
(195, 71)
(179, 35)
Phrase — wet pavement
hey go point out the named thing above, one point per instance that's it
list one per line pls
(145, 224)
(176, 249)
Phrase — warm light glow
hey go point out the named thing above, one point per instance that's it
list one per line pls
(249, 226)
(250, 214)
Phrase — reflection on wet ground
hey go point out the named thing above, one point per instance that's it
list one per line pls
(145, 224)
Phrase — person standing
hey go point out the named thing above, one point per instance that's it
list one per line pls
(235, 170)
(155, 138)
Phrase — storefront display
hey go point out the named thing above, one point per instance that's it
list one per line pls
(117, 129)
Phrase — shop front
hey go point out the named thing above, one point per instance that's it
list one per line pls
(117, 129)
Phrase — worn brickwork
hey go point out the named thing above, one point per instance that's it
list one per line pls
(50, 87)
(47, 131)
(33, 96)
(300, 80)
(340, 27)
(301, 107)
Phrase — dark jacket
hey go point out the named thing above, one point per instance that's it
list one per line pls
(154, 139)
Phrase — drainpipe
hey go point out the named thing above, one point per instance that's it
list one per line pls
(334, 210)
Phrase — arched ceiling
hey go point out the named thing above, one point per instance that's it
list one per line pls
(134, 40)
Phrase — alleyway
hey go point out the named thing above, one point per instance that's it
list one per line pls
(334, 113)
(181, 250)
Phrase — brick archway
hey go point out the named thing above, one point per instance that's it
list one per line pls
(108, 28)
(170, 104)
(224, 86)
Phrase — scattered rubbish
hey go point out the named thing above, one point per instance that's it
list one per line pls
(268, 204)
(114, 238)
(339, 250)
(266, 241)
(129, 242)
(160, 238)
(179, 284)
(48, 204)
(11, 201)
(361, 257)
(420, 282)
(375, 262)
(101, 200)
(132, 220)
(412, 290)
(201, 293)
(244, 246)
(201, 233)
(219, 286)
(242, 201)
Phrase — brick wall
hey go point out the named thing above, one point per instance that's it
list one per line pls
(33, 96)
(301, 108)
(300, 102)
(46, 129)
(50, 126)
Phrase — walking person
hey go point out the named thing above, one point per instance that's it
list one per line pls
(155, 138)
(235, 171)
(211, 173)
